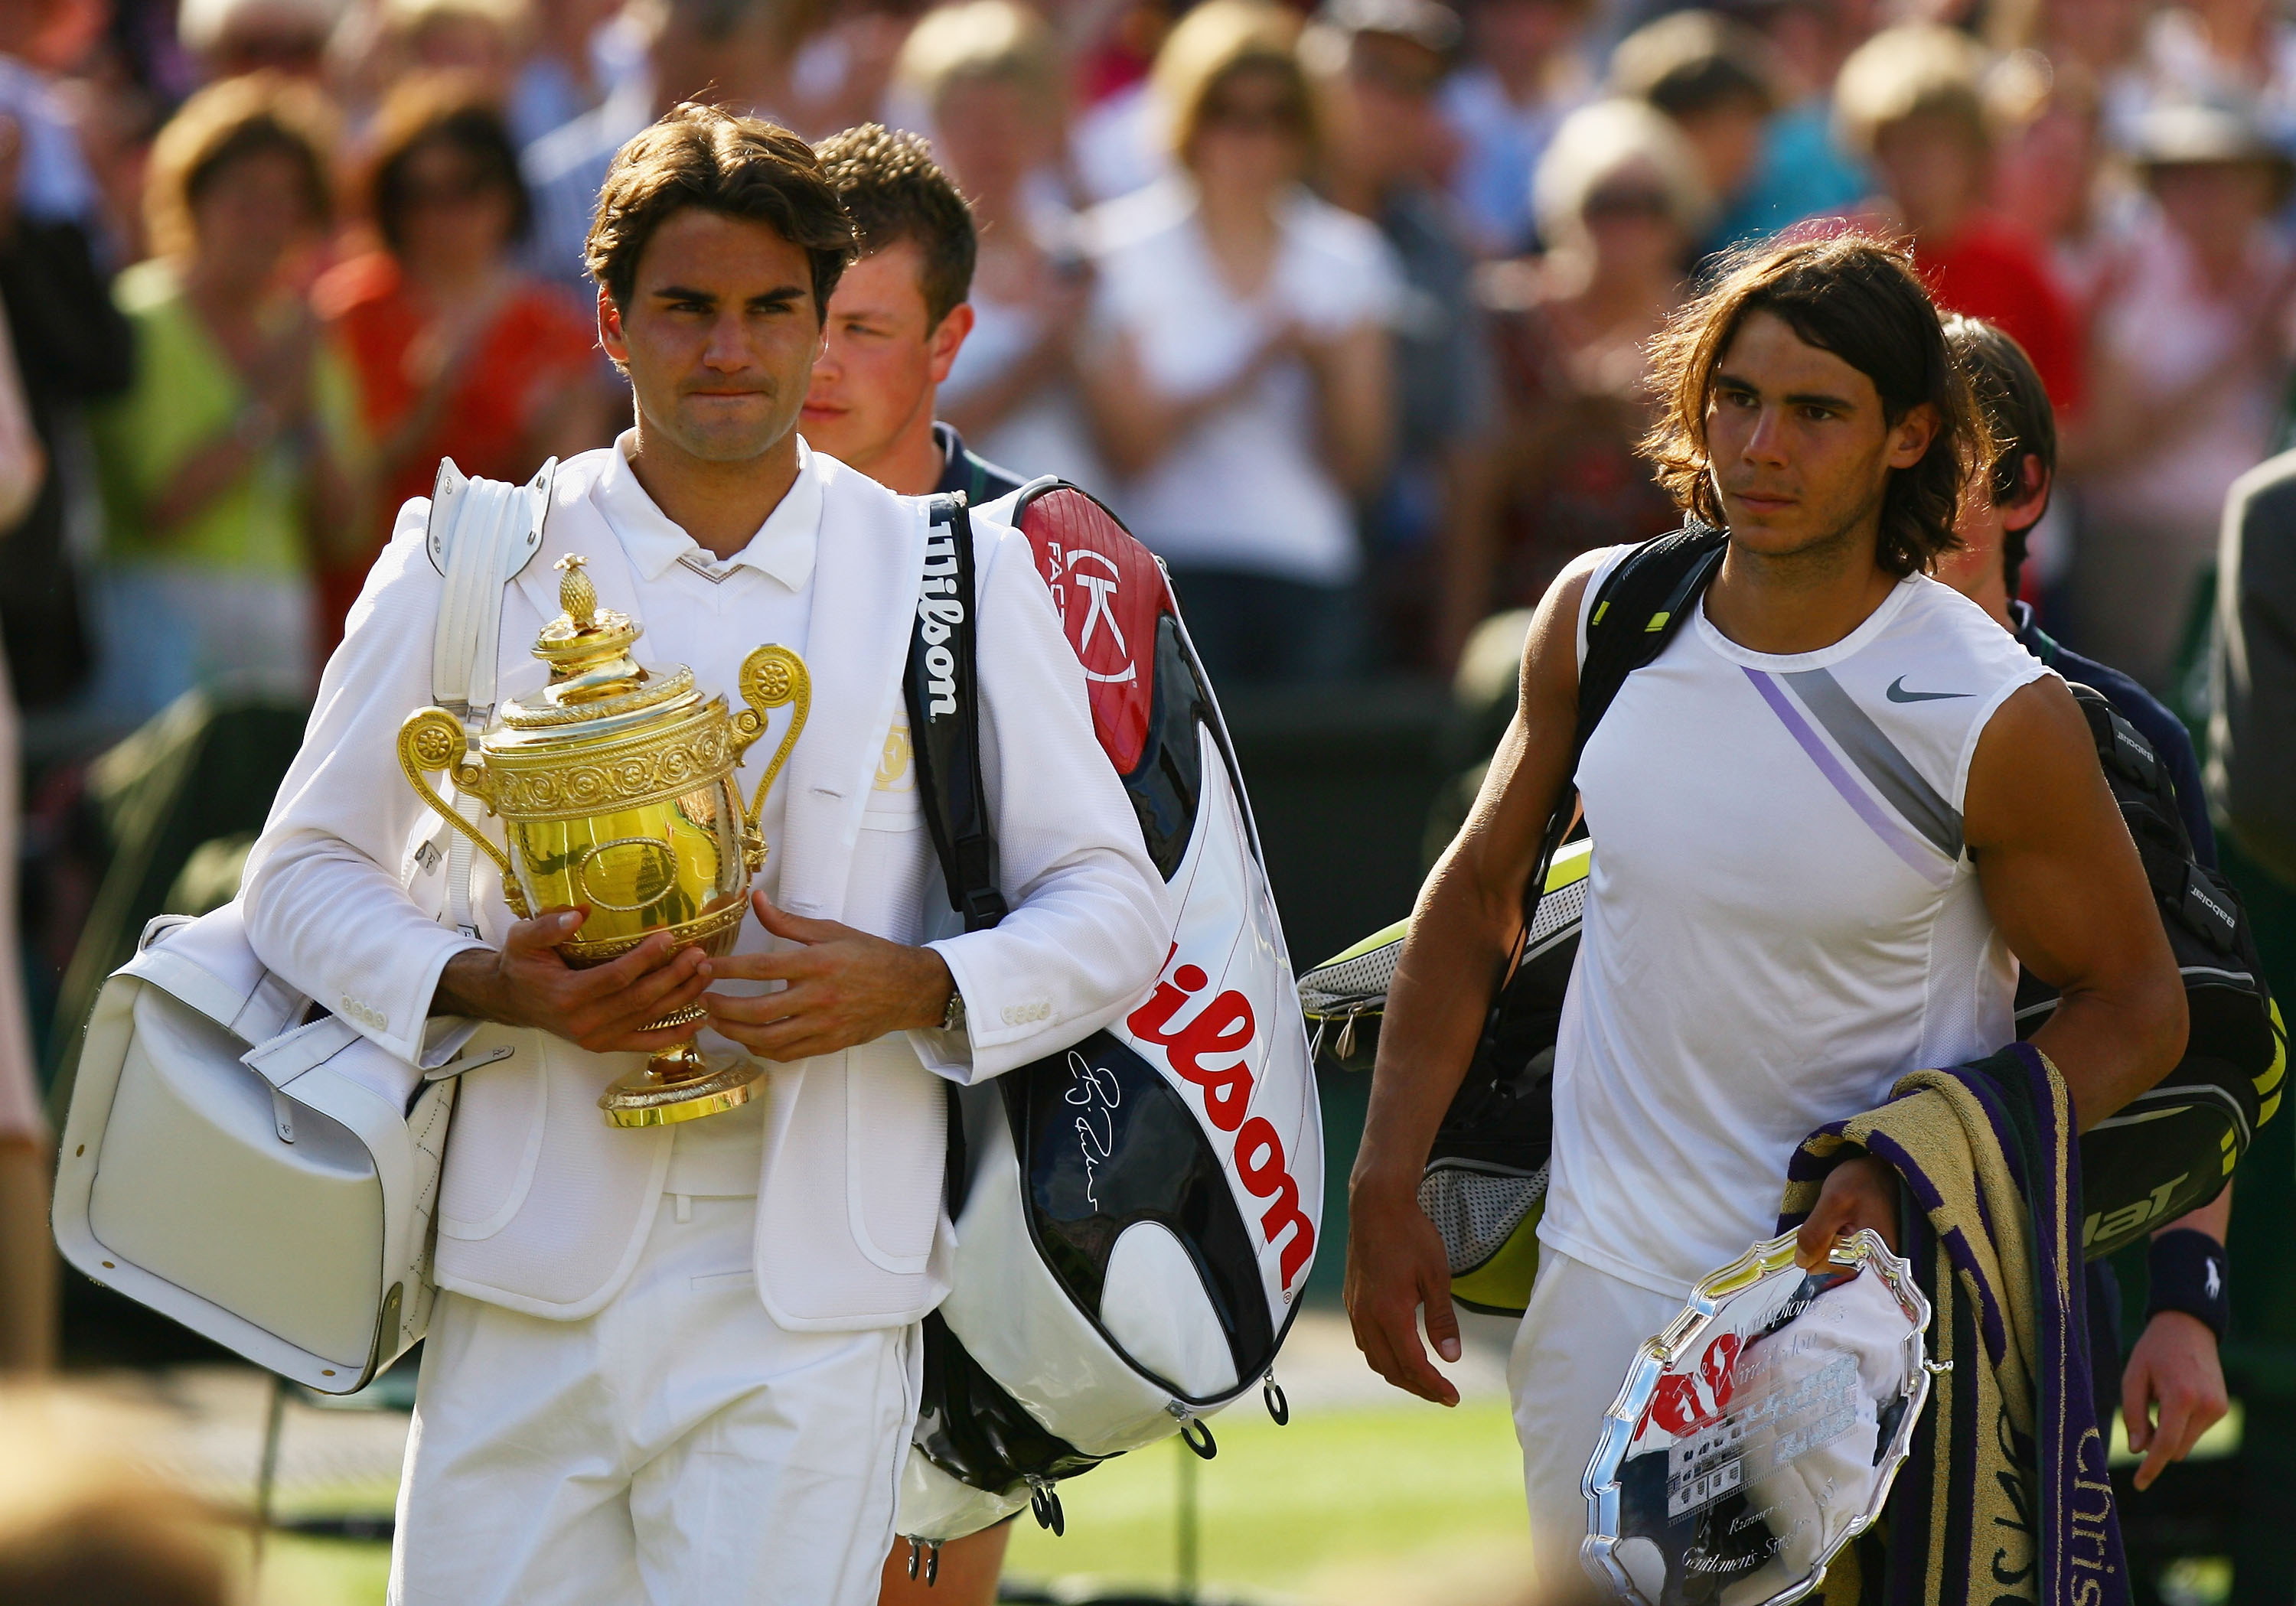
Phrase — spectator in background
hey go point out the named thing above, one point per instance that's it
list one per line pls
(1378, 63)
(840, 62)
(72, 348)
(717, 51)
(2227, 52)
(569, 67)
(1244, 396)
(456, 348)
(2104, 40)
(1803, 170)
(1910, 100)
(237, 451)
(52, 182)
(1526, 67)
(2053, 176)
(1712, 76)
(2191, 344)
(482, 39)
(1623, 197)
(985, 77)
(230, 37)
(1116, 143)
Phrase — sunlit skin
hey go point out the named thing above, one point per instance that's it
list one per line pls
(719, 339)
(882, 359)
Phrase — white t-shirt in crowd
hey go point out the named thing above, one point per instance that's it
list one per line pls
(1781, 919)
(1244, 490)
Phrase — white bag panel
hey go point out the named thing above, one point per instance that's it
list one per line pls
(936, 1508)
(1227, 928)
(177, 1187)
(1152, 1303)
(1020, 1325)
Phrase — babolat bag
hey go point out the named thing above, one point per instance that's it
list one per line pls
(2171, 1148)
(1135, 1215)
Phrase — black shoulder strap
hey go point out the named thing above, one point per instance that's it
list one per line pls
(1639, 606)
(943, 689)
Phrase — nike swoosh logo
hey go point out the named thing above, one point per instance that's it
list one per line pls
(1898, 693)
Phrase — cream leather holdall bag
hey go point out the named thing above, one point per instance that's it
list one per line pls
(249, 1166)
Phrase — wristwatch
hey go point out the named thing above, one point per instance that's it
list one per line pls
(952, 1019)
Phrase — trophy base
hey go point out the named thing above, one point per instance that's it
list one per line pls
(678, 1085)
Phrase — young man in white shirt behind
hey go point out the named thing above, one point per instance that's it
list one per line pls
(1830, 819)
(680, 1364)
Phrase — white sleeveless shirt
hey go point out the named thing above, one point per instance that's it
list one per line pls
(1781, 919)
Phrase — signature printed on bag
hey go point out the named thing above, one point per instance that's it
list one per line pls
(1226, 1026)
(1098, 1094)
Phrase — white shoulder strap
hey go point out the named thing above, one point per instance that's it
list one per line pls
(482, 533)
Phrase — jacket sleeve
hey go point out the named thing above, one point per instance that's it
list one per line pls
(1091, 918)
(2251, 782)
(326, 906)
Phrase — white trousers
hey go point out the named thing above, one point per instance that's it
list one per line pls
(1578, 1334)
(678, 1448)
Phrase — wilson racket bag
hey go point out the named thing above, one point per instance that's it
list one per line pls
(1135, 1215)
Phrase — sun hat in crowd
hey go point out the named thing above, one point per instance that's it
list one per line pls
(1427, 23)
(2207, 134)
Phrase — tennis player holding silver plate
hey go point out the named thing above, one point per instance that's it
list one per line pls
(1758, 1434)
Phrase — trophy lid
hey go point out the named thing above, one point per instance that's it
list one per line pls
(593, 677)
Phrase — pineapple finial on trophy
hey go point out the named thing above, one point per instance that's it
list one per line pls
(576, 595)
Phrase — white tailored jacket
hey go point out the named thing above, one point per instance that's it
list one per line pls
(544, 1208)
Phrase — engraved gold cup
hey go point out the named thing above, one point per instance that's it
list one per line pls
(616, 792)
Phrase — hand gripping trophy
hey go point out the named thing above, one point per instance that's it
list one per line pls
(616, 789)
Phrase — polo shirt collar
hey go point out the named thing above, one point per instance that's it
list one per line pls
(783, 547)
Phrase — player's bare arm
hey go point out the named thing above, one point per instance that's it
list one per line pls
(2063, 884)
(1469, 913)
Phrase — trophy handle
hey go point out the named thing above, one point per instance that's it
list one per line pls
(431, 739)
(771, 678)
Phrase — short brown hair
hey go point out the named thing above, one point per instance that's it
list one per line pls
(739, 166)
(1859, 298)
(258, 113)
(894, 191)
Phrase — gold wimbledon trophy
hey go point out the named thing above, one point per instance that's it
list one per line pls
(616, 790)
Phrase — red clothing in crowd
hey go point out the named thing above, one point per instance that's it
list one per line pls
(1990, 271)
(540, 341)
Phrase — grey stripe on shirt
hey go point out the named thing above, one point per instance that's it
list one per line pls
(1891, 773)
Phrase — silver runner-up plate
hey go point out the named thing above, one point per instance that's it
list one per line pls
(1758, 1434)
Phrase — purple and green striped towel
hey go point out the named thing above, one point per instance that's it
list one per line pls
(2004, 1496)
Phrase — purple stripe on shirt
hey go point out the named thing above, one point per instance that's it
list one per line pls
(1896, 838)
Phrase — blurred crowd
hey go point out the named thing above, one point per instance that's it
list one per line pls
(1342, 307)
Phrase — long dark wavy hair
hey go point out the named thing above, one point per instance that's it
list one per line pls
(1859, 299)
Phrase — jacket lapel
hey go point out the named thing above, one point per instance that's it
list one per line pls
(864, 587)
